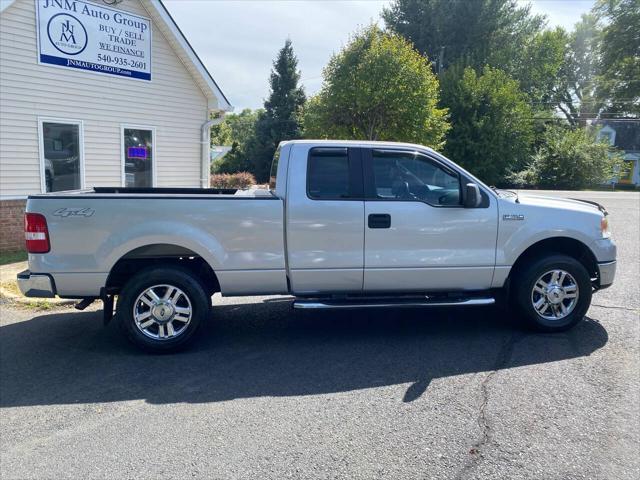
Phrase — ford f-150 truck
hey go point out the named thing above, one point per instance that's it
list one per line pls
(344, 224)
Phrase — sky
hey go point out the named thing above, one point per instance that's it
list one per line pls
(238, 39)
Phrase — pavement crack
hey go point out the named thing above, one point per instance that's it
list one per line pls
(477, 449)
(628, 309)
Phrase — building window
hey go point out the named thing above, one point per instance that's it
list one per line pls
(137, 155)
(61, 155)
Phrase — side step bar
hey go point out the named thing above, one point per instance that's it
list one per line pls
(311, 304)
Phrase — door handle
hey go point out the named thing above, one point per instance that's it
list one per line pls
(379, 220)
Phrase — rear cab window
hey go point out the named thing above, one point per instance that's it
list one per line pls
(333, 174)
(274, 169)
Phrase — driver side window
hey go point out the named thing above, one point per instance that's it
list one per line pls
(411, 176)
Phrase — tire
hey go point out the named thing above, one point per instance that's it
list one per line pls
(160, 309)
(558, 305)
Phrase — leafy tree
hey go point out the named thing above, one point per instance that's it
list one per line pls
(492, 130)
(378, 88)
(619, 81)
(538, 65)
(576, 92)
(500, 33)
(282, 116)
(236, 131)
(469, 33)
(570, 158)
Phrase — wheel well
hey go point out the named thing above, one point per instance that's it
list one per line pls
(161, 255)
(564, 245)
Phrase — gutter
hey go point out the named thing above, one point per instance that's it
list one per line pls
(205, 148)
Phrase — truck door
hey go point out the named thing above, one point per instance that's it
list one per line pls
(418, 236)
(325, 220)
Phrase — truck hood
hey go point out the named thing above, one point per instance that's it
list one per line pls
(561, 203)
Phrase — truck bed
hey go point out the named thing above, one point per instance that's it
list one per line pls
(240, 234)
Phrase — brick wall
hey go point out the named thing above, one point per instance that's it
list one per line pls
(11, 225)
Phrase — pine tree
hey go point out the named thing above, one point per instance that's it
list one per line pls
(282, 115)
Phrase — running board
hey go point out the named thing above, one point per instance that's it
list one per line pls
(312, 304)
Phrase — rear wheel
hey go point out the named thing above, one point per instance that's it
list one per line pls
(160, 309)
(552, 293)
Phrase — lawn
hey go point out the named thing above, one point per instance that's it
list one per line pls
(12, 257)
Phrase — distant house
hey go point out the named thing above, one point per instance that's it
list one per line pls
(625, 136)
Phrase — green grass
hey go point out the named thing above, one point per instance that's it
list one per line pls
(12, 257)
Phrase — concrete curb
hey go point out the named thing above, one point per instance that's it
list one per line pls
(12, 294)
(22, 300)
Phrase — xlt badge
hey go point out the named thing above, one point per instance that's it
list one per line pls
(512, 216)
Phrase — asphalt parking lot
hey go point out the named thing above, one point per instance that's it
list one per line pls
(271, 393)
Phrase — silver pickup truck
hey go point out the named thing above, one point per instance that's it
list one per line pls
(343, 225)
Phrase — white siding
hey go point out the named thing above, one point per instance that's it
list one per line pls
(171, 102)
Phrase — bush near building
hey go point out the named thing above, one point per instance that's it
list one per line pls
(232, 180)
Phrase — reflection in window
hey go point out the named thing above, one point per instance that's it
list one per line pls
(61, 143)
(409, 176)
(138, 157)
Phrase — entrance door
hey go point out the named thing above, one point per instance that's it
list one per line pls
(325, 220)
(418, 236)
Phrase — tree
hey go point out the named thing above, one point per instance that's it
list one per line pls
(236, 131)
(576, 93)
(463, 32)
(500, 33)
(492, 130)
(282, 116)
(538, 65)
(570, 158)
(619, 80)
(378, 88)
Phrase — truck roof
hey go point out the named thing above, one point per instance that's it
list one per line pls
(359, 143)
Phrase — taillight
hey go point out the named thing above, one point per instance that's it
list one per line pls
(36, 233)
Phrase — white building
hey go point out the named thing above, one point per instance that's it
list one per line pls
(100, 93)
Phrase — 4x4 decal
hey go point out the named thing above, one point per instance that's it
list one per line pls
(74, 212)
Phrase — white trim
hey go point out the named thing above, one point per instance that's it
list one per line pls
(66, 121)
(154, 174)
(4, 4)
(193, 58)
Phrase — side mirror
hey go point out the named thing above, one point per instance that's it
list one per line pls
(472, 198)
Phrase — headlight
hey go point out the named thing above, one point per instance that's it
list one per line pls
(604, 227)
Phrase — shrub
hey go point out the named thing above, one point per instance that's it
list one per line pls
(570, 159)
(232, 180)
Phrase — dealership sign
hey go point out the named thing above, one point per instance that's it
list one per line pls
(86, 36)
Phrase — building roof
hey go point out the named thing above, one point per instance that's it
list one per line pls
(187, 55)
(627, 134)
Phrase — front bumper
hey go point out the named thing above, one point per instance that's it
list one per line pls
(607, 272)
(36, 284)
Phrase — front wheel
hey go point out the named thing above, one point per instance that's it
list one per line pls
(552, 293)
(160, 309)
